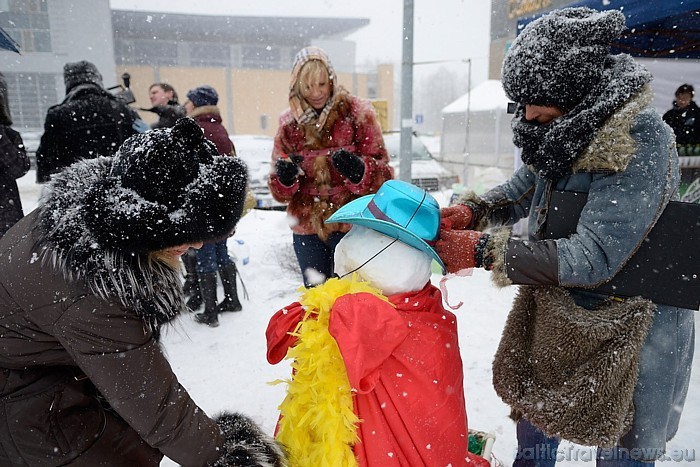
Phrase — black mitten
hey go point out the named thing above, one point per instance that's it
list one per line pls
(246, 444)
(287, 171)
(349, 165)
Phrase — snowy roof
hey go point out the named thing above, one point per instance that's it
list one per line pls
(488, 95)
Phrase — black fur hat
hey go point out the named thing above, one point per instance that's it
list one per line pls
(558, 58)
(166, 187)
(82, 72)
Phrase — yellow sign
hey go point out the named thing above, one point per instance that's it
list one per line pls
(381, 108)
(520, 8)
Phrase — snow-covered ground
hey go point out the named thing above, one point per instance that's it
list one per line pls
(225, 367)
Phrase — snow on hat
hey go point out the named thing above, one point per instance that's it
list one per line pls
(166, 187)
(82, 72)
(558, 58)
(203, 95)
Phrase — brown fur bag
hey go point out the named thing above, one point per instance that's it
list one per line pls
(568, 370)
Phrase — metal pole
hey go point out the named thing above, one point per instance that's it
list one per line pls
(465, 161)
(406, 149)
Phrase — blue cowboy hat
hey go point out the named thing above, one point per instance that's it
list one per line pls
(398, 210)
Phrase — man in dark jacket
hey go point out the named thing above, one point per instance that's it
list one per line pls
(164, 104)
(14, 163)
(90, 122)
(684, 119)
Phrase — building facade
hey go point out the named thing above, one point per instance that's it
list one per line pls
(246, 59)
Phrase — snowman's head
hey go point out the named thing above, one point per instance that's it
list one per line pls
(387, 263)
(399, 210)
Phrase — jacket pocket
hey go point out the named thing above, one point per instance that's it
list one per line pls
(50, 421)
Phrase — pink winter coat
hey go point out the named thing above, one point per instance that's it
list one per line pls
(321, 190)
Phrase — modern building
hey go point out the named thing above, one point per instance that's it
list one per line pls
(246, 59)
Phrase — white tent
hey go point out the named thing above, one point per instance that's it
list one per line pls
(484, 146)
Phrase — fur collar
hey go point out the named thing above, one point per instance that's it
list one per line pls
(206, 110)
(612, 146)
(150, 288)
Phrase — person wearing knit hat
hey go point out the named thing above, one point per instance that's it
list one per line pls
(684, 119)
(574, 362)
(88, 123)
(213, 257)
(328, 151)
(89, 280)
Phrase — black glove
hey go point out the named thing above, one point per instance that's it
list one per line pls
(287, 171)
(349, 165)
(246, 444)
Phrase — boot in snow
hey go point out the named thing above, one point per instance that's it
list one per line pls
(191, 285)
(207, 284)
(228, 279)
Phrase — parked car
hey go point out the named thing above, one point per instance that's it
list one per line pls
(255, 150)
(426, 172)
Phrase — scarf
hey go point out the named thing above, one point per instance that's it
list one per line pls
(553, 148)
(303, 113)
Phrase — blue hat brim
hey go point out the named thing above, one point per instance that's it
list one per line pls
(352, 213)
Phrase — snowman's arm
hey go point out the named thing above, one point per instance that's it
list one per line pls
(281, 324)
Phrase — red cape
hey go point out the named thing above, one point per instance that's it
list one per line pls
(405, 365)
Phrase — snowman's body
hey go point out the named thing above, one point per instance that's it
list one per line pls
(401, 357)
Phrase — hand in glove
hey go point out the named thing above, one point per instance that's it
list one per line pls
(457, 217)
(246, 444)
(287, 170)
(349, 165)
(462, 249)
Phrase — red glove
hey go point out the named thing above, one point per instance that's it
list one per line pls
(457, 217)
(462, 249)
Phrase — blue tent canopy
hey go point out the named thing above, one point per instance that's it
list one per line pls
(656, 28)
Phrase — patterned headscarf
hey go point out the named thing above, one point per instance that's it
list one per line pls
(303, 113)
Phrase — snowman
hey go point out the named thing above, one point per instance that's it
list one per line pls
(377, 374)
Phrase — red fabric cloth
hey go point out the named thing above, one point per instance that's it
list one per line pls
(405, 364)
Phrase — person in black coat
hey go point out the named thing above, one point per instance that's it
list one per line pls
(90, 122)
(165, 104)
(684, 119)
(14, 163)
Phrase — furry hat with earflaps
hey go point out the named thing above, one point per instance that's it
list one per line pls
(558, 58)
(100, 218)
(82, 72)
(166, 187)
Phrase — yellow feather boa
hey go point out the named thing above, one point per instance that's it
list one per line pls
(318, 424)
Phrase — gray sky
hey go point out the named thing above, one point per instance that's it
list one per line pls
(449, 30)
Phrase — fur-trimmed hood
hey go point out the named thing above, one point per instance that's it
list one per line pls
(65, 243)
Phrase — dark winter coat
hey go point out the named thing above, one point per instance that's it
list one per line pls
(685, 123)
(90, 122)
(321, 190)
(209, 118)
(630, 173)
(167, 114)
(82, 376)
(14, 163)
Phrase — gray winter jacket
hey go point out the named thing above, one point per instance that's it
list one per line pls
(630, 173)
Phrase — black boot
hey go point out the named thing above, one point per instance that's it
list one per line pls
(207, 284)
(228, 279)
(191, 285)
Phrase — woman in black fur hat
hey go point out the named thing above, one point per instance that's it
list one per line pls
(86, 282)
(575, 362)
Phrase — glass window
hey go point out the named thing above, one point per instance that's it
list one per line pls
(261, 57)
